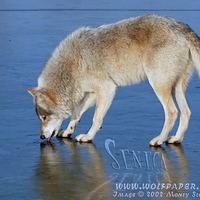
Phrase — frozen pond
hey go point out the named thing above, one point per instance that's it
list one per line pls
(119, 164)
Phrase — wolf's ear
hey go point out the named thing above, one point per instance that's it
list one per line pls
(45, 95)
(32, 91)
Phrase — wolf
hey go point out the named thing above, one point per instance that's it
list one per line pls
(91, 63)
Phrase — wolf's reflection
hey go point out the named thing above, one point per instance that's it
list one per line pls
(176, 172)
(77, 174)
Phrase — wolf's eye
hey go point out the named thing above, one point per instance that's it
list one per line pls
(44, 117)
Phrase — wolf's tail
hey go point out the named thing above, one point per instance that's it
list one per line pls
(194, 46)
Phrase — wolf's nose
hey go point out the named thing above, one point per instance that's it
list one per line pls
(42, 137)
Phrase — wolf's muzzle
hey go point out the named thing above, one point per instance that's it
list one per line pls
(44, 137)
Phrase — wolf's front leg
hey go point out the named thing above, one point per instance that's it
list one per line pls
(104, 99)
(87, 102)
(70, 129)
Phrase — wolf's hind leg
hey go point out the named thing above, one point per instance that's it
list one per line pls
(179, 96)
(87, 102)
(105, 96)
(163, 93)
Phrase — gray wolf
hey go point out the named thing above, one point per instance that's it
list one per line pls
(91, 63)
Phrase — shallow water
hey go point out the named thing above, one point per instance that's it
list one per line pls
(120, 153)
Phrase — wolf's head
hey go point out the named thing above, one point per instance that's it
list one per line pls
(47, 109)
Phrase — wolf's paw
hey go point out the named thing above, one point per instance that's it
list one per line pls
(64, 133)
(157, 141)
(83, 138)
(174, 140)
